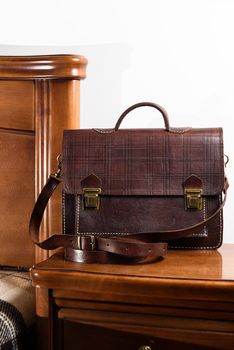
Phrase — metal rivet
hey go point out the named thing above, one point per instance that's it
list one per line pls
(144, 347)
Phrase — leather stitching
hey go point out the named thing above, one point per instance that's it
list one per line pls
(204, 230)
(64, 211)
(104, 131)
(220, 233)
(77, 214)
(179, 131)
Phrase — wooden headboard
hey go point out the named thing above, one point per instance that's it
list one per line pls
(39, 97)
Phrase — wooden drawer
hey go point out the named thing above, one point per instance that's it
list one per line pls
(101, 306)
(17, 105)
(88, 337)
(133, 330)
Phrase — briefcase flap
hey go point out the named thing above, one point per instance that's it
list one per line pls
(149, 162)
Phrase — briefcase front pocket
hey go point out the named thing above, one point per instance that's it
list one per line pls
(124, 215)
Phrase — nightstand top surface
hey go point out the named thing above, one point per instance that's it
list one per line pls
(215, 265)
(182, 275)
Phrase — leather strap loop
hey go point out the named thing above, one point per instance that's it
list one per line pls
(144, 104)
(106, 249)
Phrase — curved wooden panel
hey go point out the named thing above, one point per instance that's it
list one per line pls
(39, 98)
(57, 108)
(49, 66)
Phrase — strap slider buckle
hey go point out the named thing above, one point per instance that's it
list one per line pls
(86, 242)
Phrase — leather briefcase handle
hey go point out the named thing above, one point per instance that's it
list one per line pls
(145, 104)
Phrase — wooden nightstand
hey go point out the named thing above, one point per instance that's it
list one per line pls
(39, 98)
(185, 301)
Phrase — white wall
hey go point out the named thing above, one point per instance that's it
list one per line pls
(178, 53)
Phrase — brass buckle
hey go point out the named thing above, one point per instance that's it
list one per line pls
(193, 198)
(91, 197)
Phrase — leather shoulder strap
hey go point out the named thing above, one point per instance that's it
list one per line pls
(101, 249)
(87, 248)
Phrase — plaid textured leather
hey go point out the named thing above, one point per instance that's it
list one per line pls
(143, 162)
(142, 173)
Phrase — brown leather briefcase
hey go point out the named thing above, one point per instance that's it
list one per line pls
(130, 193)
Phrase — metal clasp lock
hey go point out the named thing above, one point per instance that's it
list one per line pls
(91, 197)
(193, 198)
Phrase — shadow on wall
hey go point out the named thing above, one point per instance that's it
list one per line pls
(101, 91)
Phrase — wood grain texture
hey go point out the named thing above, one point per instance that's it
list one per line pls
(85, 280)
(43, 66)
(39, 97)
(17, 105)
(184, 329)
(178, 264)
(57, 108)
(106, 318)
(162, 338)
(185, 301)
(17, 197)
(42, 166)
